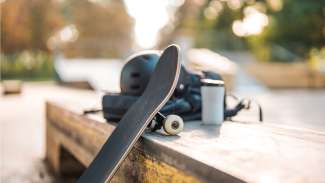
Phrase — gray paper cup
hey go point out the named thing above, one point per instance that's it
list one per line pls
(213, 92)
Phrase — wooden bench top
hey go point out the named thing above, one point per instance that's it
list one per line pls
(234, 152)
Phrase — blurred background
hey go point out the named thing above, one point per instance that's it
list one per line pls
(269, 50)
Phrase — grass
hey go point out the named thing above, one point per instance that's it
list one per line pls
(27, 66)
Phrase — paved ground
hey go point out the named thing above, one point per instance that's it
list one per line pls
(22, 133)
(298, 108)
(301, 108)
(22, 124)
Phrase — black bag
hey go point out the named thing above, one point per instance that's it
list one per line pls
(185, 102)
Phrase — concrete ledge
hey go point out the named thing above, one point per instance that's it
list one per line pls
(236, 152)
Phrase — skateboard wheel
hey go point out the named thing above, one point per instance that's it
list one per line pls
(173, 124)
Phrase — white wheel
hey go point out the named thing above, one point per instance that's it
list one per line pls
(173, 124)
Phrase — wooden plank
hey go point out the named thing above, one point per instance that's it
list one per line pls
(235, 152)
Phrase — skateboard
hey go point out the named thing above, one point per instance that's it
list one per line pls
(158, 91)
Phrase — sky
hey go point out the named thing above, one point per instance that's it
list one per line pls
(150, 16)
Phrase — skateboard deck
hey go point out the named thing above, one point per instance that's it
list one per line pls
(159, 89)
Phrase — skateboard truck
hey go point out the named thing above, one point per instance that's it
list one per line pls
(172, 124)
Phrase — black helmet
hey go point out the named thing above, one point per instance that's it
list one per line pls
(137, 71)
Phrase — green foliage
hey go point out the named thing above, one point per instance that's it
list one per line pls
(293, 29)
(298, 27)
(27, 66)
(217, 33)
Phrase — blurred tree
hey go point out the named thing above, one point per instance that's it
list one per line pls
(215, 27)
(297, 28)
(104, 28)
(26, 25)
(294, 27)
(183, 23)
(208, 22)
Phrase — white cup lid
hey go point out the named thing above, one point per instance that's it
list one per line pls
(212, 82)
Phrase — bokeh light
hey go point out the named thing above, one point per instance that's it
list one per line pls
(252, 24)
(150, 17)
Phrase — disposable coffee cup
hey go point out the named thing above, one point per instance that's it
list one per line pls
(213, 92)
